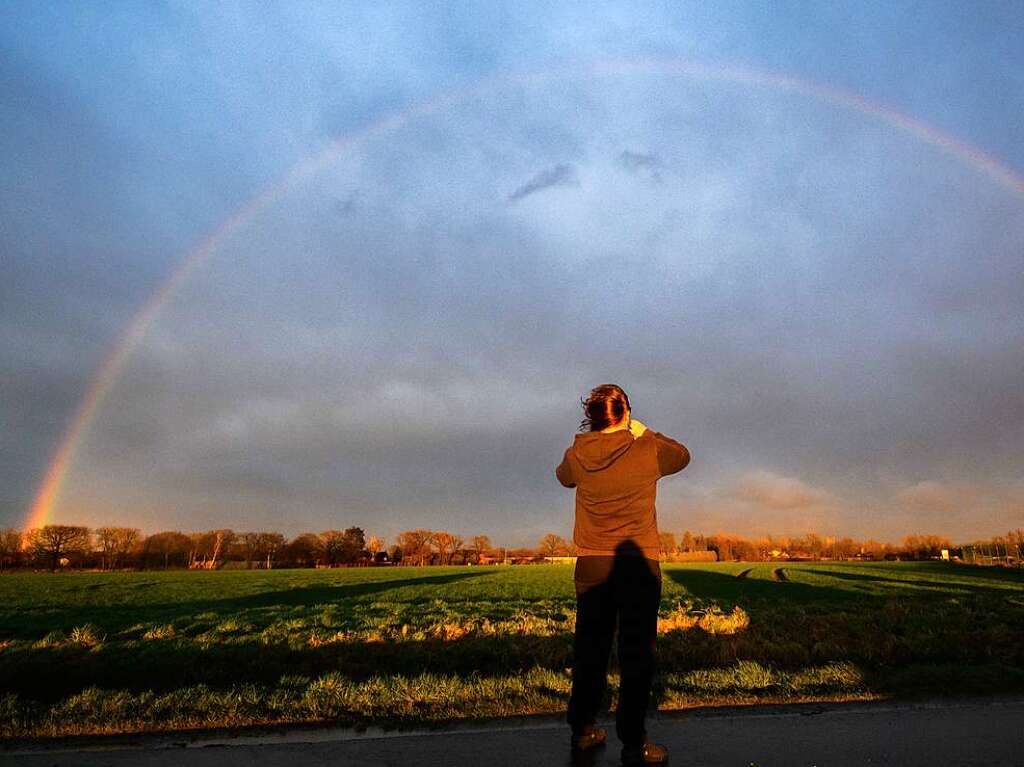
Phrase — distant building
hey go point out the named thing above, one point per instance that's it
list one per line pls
(561, 560)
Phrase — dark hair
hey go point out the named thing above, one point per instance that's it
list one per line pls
(606, 406)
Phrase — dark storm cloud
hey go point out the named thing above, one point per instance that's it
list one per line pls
(826, 311)
(560, 175)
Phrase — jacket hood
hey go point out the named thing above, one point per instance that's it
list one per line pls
(596, 451)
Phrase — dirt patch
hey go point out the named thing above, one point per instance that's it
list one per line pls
(780, 575)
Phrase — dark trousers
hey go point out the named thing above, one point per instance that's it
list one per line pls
(627, 589)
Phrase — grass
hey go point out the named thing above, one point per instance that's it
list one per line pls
(96, 653)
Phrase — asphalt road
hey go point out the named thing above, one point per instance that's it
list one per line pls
(989, 732)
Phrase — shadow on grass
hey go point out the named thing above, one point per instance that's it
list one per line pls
(52, 673)
(309, 596)
(115, 618)
(728, 590)
(881, 584)
(951, 569)
(896, 586)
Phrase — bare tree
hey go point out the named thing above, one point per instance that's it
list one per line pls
(446, 544)
(925, 546)
(127, 541)
(374, 545)
(481, 543)
(53, 543)
(415, 545)
(116, 543)
(10, 547)
(687, 543)
(721, 544)
(342, 547)
(666, 544)
(395, 554)
(250, 545)
(305, 549)
(332, 542)
(548, 545)
(166, 545)
(207, 548)
(105, 539)
(260, 547)
(552, 545)
(268, 545)
(195, 546)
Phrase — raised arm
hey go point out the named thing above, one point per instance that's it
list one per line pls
(672, 456)
(564, 471)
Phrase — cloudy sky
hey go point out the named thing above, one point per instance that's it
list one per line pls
(718, 206)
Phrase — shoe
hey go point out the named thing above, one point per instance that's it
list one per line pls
(644, 753)
(589, 737)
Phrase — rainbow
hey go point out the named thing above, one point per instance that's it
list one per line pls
(45, 502)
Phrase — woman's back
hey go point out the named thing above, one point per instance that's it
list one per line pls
(615, 475)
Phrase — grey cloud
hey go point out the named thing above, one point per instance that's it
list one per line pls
(637, 162)
(929, 496)
(773, 491)
(347, 205)
(759, 502)
(806, 290)
(560, 175)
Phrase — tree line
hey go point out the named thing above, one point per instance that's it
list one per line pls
(811, 546)
(110, 548)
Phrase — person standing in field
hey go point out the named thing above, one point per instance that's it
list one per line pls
(615, 466)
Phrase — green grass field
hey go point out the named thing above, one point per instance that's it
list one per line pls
(92, 652)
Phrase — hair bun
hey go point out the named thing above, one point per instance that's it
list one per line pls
(606, 406)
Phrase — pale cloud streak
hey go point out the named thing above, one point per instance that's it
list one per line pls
(779, 493)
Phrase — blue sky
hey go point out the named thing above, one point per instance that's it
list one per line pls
(822, 306)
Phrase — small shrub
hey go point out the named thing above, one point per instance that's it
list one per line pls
(293, 682)
(329, 617)
(328, 696)
(53, 639)
(232, 626)
(165, 631)
(11, 714)
(715, 622)
(830, 678)
(678, 619)
(320, 637)
(86, 635)
(750, 675)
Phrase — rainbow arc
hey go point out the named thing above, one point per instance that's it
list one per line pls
(44, 505)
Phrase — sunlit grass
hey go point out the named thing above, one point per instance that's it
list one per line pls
(92, 652)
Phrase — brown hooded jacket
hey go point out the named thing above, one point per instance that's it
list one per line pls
(615, 475)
